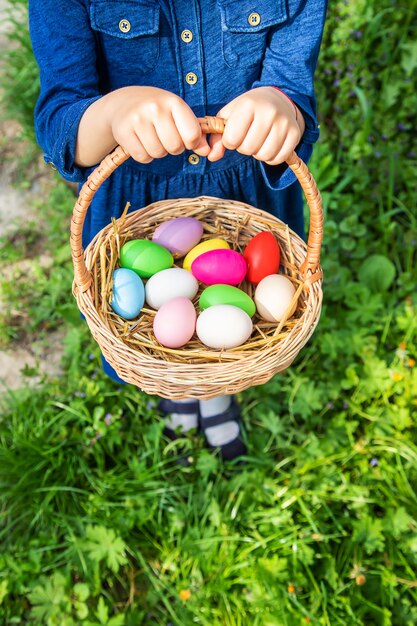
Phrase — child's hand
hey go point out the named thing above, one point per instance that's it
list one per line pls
(150, 123)
(261, 123)
(147, 122)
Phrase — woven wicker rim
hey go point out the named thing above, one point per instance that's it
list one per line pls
(208, 125)
(176, 374)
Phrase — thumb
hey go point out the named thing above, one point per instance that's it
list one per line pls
(217, 148)
(225, 111)
(216, 145)
(202, 148)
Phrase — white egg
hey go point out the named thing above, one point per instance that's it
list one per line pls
(224, 326)
(168, 284)
(273, 296)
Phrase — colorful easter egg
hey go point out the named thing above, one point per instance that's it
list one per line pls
(204, 246)
(224, 326)
(219, 267)
(263, 256)
(145, 257)
(174, 323)
(273, 296)
(128, 293)
(226, 294)
(179, 235)
(168, 284)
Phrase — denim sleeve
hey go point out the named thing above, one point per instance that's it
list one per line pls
(290, 62)
(65, 50)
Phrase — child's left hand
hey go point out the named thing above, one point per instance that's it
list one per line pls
(260, 123)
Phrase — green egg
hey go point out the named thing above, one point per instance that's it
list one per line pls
(226, 294)
(144, 257)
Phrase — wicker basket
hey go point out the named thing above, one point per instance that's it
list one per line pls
(196, 371)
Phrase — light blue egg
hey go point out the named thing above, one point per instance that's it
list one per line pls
(128, 293)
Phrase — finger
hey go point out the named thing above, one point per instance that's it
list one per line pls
(133, 146)
(291, 142)
(272, 144)
(203, 148)
(188, 126)
(168, 134)
(236, 127)
(226, 111)
(255, 136)
(217, 148)
(150, 140)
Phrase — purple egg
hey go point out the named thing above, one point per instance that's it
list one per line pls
(179, 235)
(220, 267)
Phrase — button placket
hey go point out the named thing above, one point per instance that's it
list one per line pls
(189, 30)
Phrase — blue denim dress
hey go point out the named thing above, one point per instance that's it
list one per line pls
(208, 52)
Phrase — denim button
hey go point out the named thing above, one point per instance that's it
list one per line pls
(191, 78)
(187, 36)
(254, 19)
(194, 159)
(124, 26)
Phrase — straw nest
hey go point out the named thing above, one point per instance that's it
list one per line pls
(195, 370)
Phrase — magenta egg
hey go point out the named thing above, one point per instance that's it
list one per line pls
(220, 267)
(179, 235)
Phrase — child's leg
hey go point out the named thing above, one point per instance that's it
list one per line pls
(180, 415)
(225, 432)
(220, 422)
(219, 419)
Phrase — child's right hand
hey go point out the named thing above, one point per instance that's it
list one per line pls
(147, 122)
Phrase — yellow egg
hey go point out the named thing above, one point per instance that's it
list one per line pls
(204, 246)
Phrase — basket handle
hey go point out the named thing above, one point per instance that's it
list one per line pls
(208, 124)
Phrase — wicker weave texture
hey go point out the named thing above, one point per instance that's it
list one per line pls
(196, 371)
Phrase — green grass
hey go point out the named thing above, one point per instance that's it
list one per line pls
(99, 524)
(320, 501)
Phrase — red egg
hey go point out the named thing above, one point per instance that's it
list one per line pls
(262, 255)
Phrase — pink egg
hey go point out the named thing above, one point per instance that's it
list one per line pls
(179, 235)
(174, 324)
(220, 267)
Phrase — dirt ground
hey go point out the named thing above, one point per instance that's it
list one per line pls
(16, 208)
